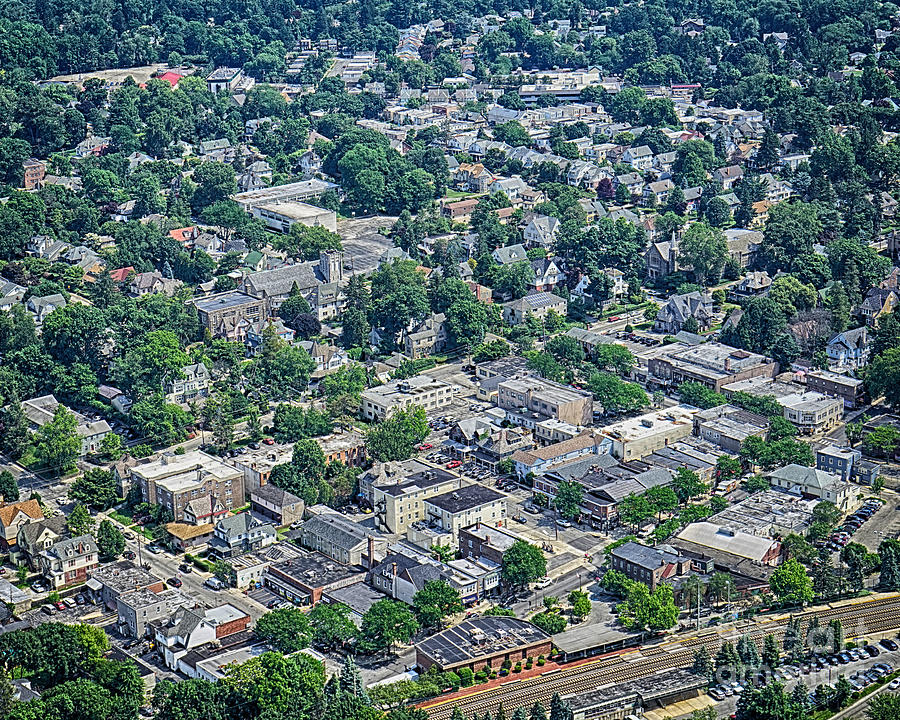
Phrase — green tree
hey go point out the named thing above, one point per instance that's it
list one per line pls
(646, 610)
(110, 540)
(662, 499)
(634, 509)
(286, 630)
(111, 447)
(79, 521)
(396, 437)
(704, 249)
(9, 488)
(215, 183)
(550, 622)
(687, 484)
(436, 601)
(384, 624)
(57, 445)
(791, 584)
(883, 376)
(698, 395)
(523, 563)
(96, 489)
(884, 706)
(581, 603)
(771, 653)
(703, 663)
(331, 625)
(568, 499)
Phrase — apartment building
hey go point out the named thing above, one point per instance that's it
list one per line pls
(379, 403)
(546, 399)
(849, 389)
(397, 492)
(231, 315)
(467, 505)
(195, 487)
(728, 426)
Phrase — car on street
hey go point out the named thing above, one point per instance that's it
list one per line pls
(155, 549)
(563, 523)
(129, 555)
(519, 519)
(175, 582)
(185, 568)
(80, 599)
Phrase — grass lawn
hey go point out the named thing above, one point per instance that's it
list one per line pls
(457, 194)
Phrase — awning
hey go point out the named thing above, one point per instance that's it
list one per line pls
(93, 584)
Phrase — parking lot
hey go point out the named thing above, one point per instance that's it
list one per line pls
(869, 525)
(884, 524)
(364, 242)
(861, 671)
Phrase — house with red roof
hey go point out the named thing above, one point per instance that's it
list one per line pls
(173, 78)
(120, 275)
(183, 235)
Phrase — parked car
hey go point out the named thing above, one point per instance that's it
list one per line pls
(453, 464)
(48, 609)
(155, 549)
(60, 605)
(80, 599)
(563, 523)
(175, 582)
(888, 644)
(519, 519)
(185, 568)
(129, 555)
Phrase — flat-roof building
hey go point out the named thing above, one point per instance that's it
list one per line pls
(466, 506)
(379, 403)
(194, 487)
(712, 364)
(482, 642)
(282, 215)
(728, 426)
(637, 437)
(547, 399)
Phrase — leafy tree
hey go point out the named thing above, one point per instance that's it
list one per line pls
(436, 601)
(523, 563)
(614, 358)
(884, 706)
(111, 446)
(568, 499)
(883, 376)
(771, 653)
(698, 395)
(687, 484)
(791, 584)
(331, 625)
(581, 603)
(110, 540)
(96, 488)
(304, 475)
(768, 703)
(662, 499)
(9, 488)
(616, 395)
(385, 623)
(646, 610)
(634, 509)
(286, 630)
(215, 183)
(550, 622)
(705, 250)
(57, 446)
(396, 437)
(703, 663)
(79, 521)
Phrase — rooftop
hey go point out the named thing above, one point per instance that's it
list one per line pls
(223, 301)
(177, 473)
(478, 637)
(465, 498)
(653, 423)
(725, 539)
(396, 390)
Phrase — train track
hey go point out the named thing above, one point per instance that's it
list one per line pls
(864, 618)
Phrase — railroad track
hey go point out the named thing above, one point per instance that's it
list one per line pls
(872, 617)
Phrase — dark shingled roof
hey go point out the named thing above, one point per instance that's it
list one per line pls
(465, 498)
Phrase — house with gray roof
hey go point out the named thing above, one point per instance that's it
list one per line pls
(510, 254)
(649, 565)
(69, 561)
(241, 533)
(672, 316)
(340, 539)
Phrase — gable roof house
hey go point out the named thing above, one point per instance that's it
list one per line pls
(878, 301)
(510, 254)
(674, 314)
(15, 515)
(68, 561)
(541, 231)
(849, 349)
(547, 275)
(40, 410)
(239, 534)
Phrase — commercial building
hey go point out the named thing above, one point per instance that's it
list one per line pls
(635, 438)
(397, 492)
(110, 582)
(849, 389)
(297, 191)
(466, 506)
(632, 699)
(348, 447)
(282, 215)
(303, 579)
(139, 609)
(772, 513)
(540, 460)
(194, 487)
(486, 541)
(728, 426)
(710, 537)
(231, 315)
(812, 412)
(711, 364)
(379, 403)
(546, 399)
(649, 565)
(248, 570)
(482, 642)
(191, 628)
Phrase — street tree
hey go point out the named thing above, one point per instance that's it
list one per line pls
(436, 601)
(110, 540)
(523, 563)
(286, 630)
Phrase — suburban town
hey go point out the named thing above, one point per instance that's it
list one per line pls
(485, 361)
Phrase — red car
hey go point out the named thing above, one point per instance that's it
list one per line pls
(453, 464)
(60, 605)
(268, 441)
(614, 318)
(426, 446)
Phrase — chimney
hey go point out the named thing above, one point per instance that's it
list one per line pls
(394, 569)
(371, 552)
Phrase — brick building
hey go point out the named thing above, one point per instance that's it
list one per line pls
(482, 642)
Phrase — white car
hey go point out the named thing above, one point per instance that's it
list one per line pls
(894, 684)
(543, 583)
